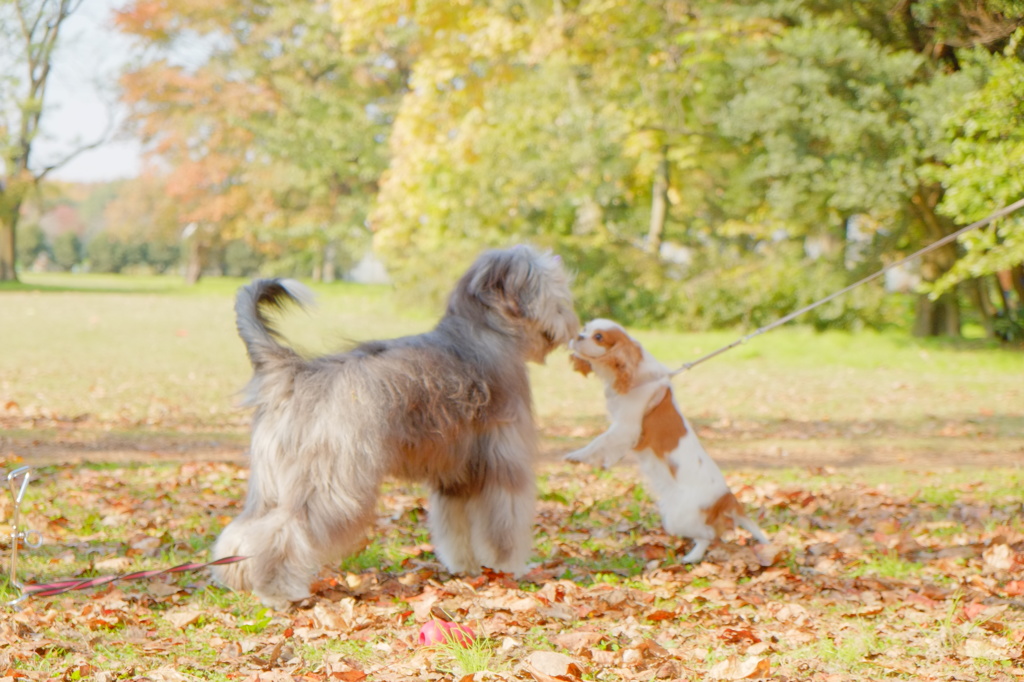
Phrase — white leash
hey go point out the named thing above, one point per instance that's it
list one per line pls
(1006, 210)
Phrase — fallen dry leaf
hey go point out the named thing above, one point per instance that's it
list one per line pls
(738, 636)
(550, 664)
(183, 618)
(577, 640)
(329, 617)
(973, 610)
(1015, 588)
(114, 564)
(999, 558)
(660, 615)
(994, 649)
(750, 668)
(166, 675)
(767, 554)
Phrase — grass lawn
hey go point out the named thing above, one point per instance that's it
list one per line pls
(105, 360)
(887, 471)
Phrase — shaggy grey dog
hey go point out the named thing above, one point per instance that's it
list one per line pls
(450, 407)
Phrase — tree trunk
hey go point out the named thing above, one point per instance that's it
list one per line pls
(659, 203)
(977, 289)
(1017, 280)
(951, 323)
(329, 269)
(11, 197)
(8, 252)
(924, 316)
(942, 316)
(194, 264)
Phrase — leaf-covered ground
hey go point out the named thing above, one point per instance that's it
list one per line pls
(887, 470)
(917, 578)
(47, 437)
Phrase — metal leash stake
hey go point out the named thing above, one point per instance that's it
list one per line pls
(31, 538)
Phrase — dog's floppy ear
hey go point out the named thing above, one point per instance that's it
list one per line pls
(581, 365)
(501, 280)
(624, 359)
(624, 374)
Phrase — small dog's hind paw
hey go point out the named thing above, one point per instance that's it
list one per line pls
(696, 554)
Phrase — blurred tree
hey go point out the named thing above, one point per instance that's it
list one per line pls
(839, 126)
(162, 256)
(31, 243)
(105, 254)
(30, 31)
(241, 260)
(984, 171)
(277, 134)
(547, 121)
(906, 135)
(676, 151)
(67, 250)
(324, 135)
(185, 118)
(720, 128)
(144, 214)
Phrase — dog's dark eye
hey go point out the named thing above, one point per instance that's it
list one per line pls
(598, 337)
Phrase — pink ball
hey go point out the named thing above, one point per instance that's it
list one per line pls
(442, 632)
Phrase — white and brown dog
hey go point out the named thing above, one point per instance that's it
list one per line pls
(692, 495)
(450, 407)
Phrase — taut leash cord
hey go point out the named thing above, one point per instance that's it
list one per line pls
(1006, 210)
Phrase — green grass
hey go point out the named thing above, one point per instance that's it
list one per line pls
(477, 656)
(382, 554)
(148, 351)
(143, 352)
(349, 648)
(886, 565)
(846, 654)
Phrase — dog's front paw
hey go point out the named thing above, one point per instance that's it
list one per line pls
(610, 459)
(282, 604)
(582, 456)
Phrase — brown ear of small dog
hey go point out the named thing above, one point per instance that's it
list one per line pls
(581, 365)
(624, 359)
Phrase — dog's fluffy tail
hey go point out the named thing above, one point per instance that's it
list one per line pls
(262, 341)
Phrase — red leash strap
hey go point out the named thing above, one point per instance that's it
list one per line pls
(18, 480)
(62, 586)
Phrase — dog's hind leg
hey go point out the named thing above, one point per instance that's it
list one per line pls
(502, 519)
(748, 524)
(281, 562)
(700, 546)
(236, 576)
(503, 499)
(450, 531)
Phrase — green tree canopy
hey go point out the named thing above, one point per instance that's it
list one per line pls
(986, 167)
(698, 163)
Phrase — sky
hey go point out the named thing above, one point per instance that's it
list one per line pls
(81, 100)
